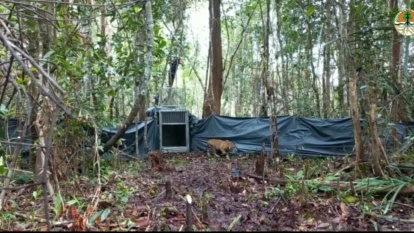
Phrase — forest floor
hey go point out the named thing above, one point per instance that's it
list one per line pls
(226, 195)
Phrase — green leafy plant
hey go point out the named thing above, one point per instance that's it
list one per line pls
(6, 219)
(3, 168)
(38, 193)
(76, 202)
(57, 205)
(293, 186)
(102, 215)
(123, 193)
(372, 185)
(274, 192)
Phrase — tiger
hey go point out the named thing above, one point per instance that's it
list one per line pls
(222, 146)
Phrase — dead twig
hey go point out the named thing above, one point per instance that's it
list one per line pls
(394, 219)
(157, 197)
(234, 222)
(345, 168)
(402, 204)
(270, 180)
(21, 187)
(274, 206)
(42, 220)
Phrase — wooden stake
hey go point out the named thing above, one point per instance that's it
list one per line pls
(189, 213)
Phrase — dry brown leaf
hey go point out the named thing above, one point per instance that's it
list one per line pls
(134, 212)
(98, 219)
(7, 207)
(143, 222)
(81, 224)
(104, 205)
(140, 210)
(177, 218)
(344, 209)
(336, 220)
(199, 225)
(324, 225)
(72, 213)
(89, 210)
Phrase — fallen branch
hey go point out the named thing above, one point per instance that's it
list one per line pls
(124, 154)
(157, 197)
(21, 187)
(42, 220)
(198, 220)
(403, 204)
(345, 168)
(270, 180)
(394, 219)
(21, 144)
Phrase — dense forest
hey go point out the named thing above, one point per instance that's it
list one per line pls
(70, 68)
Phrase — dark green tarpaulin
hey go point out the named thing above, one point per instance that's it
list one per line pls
(304, 136)
(297, 135)
(129, 142)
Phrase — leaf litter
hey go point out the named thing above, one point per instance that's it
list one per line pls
(222, 201)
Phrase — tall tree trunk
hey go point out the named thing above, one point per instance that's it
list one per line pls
(264, 76)
(283, 77)
(139, 100)
(309, 54)
(342, 95)
(212, 103)
(140, 41)
(397, 109)
(377, 149)
(327, 64)
(353, 99)
(86, 35)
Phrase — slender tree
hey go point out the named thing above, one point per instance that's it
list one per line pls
(212, 102)
(141, 95)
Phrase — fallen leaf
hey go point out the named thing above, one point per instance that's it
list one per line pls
(72, 213)
(177, 218)
(336, 220)
(104, 205)
(344, 209)
(143, 222)
(89, 210)
(7, 206)
(199, 225)
(140, 210)
(324, 225)
(98, 219)
(81, 224)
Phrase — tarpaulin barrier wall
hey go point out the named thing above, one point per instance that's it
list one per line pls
(297, 135)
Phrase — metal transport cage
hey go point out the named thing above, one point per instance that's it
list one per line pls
(173, 121)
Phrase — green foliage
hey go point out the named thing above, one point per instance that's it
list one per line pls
(293, 187)
(3, 166)
(38, 193)
(7, 219)
(123, 193)
(273, 193)
(311, 10)
(76, 202)
(374, 185)
(57, 205)
(102, 214)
